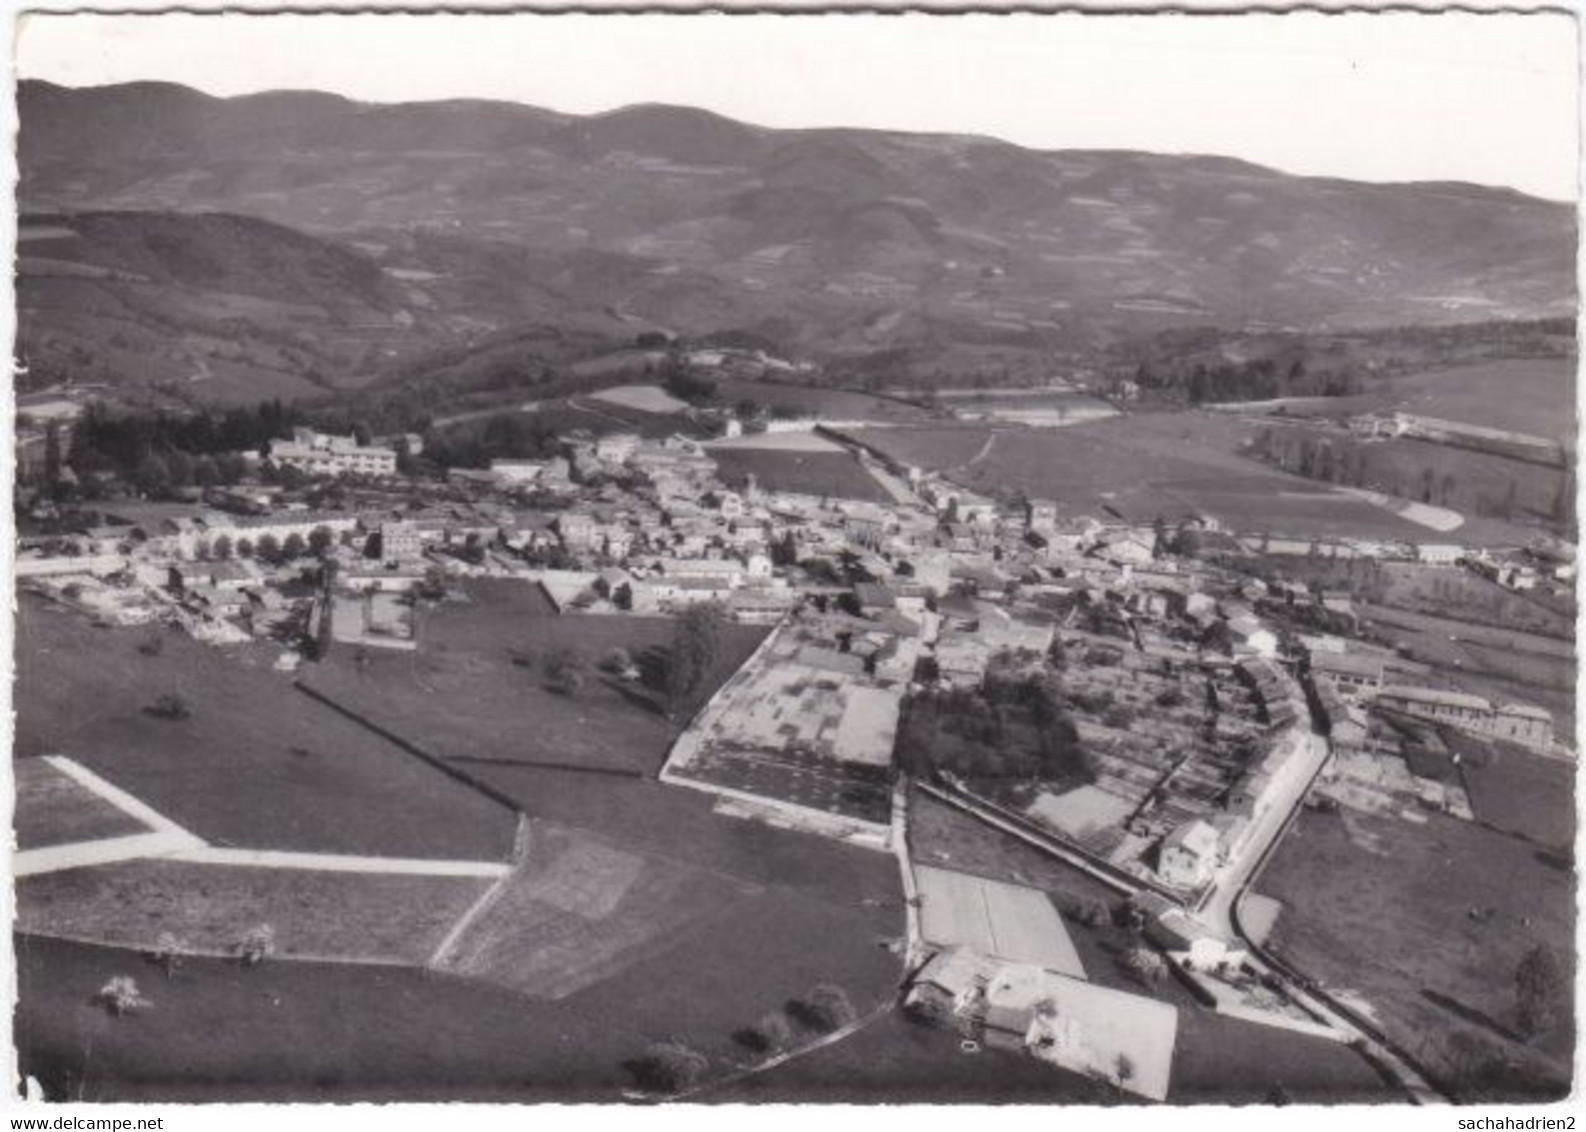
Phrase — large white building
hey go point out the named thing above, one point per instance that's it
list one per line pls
(322, 454)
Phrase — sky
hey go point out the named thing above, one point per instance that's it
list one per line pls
(1491, 99)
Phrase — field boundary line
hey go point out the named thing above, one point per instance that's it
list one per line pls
(218, 953)
(454, 936)
(117, 797)
(339, 863)
(102, 851)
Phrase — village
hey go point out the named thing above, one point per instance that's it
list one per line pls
(1154, 717)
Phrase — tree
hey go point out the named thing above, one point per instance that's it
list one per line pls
(256, 946)
(696, 645)
(52, 457)
(829, 1008)
(320, 540)
(1538, 990)
(670, 1067)
(268, 549)
(564, 670)
(220, 549)
(293, 547)
(1145, 964)
(152, 475)
(121, 996)
(617, 661)
(168, 952)
(244, 548)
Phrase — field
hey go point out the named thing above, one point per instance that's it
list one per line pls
(810, 400)
(1426, 923)
(53, 809)
(1534, 395)
(1139, 467)
(608, 938)
(838, 475)
(895, 1061)
(583, 909)
(484, 659)
(762, 917)
(1498, 663)
(357, 917)
(1516, 791)
(257, 764)
(645, 398)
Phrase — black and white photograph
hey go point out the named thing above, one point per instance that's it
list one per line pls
(780, 558)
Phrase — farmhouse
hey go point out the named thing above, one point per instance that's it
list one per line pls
(1517, 723)
(1190, 854)
(1122, 1038)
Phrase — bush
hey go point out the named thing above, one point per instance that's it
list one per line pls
(670, 1067)
(828, 1007)
(121, 996)
(169, 706)
(564, 671)
(617, 661)
(257, 946)
(771, 1034)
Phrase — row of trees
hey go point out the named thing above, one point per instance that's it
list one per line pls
(1258, 379)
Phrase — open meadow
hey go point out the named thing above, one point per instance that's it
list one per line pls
(476, 689)
(255, 765)
(1427, 922)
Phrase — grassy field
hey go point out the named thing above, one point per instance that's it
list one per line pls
(53, 809)
(309, 1031)
(1217, 1059)
(1516, 791)
(257, 765)
(1530, 395)
(1501, 664)
(360, 917)
(833, 404)
(484, 660)
(583, 909)
(895, 1061)
(835, 474)
(939, 447)
(1139, 467)
(1426, 923)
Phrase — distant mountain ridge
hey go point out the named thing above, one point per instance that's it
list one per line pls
(487, 216)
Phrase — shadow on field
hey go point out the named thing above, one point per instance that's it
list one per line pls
(1469, 1014)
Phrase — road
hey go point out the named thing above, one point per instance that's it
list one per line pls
(1287, 792)
(1219, 910)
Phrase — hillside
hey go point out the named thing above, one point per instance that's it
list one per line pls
(481, 218)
